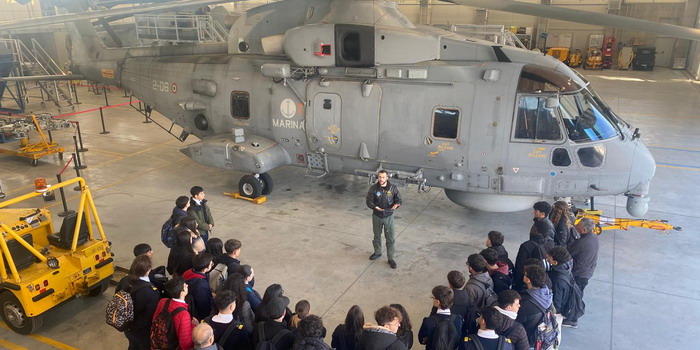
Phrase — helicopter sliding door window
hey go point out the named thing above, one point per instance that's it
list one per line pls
(534, 121)
(445, 123)
(240, 104)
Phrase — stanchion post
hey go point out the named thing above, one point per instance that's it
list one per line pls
(78, 163)
(104, 92)
(65, 212)
(146, 114)
(50, 137)
(75, 93)
(80, 138)
(102, 119)
(77, 171)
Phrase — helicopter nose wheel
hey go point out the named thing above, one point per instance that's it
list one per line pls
(254, 186)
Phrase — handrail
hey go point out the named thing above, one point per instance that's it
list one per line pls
(54, 65)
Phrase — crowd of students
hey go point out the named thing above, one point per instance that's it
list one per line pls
(210, 301)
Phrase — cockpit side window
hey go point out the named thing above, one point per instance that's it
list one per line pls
(240, 104)
(584, 118)
(534, 121)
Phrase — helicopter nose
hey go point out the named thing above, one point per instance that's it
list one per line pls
(641, 173)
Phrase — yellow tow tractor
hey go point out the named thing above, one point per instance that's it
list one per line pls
(574, 59)
(594, 59)
(42, 268)
(604, 223)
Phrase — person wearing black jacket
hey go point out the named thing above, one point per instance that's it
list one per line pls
(180, 256)
(145, 297)
(536, 298)
(267, 330)
(346, 335)
(383, 198)
(442, 299)
(560, 274)
(495, 240)
(508, 306)
(460, 301)
(535, 247)
(237, 338)
(542, 224)
(311, 333)
(382, 336)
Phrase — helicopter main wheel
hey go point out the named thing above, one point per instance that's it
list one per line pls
(267, 183)
(250, 186)
(14, 315)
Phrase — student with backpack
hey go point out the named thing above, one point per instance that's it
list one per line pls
(442, 330)
(480, 292)
(382, 336)
(568, 298)
(460, 301)
(486, 338)
(495, 240)
(228, 332)
(172, 324)
(536, 311)
(199, 299)
(273, 333)
(138, 298)
(167, 230)
(533, 248)
(498, 270)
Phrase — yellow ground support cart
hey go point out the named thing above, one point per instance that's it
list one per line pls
(604, 223)
(41, 268)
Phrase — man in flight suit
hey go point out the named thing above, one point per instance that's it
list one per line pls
(383, 198)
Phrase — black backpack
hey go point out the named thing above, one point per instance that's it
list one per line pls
(167, 235)
(229, 329)
(445, 335)
(271, 344)
(489, 298)
(573, 307)
(163, 335)
(477, 343)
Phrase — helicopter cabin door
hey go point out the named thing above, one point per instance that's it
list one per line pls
(343, 119)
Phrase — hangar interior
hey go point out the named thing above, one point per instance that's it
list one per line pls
(313, 236)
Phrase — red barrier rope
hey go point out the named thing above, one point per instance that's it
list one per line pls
(67, 164)
(95, 109)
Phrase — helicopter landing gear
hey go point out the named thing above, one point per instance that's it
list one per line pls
(254, 186)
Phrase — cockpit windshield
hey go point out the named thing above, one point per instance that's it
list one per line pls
(586, 118)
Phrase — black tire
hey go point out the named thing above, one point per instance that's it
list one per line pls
(267, 183)
(250, 186)
(99, 289)
(60, 155)
(14, 315)
(35, 162)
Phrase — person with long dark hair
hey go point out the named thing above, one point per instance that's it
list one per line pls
(180, 257)
(405, 332)
(346, 335)
(563, 220)
(244, 313)
(215, 247)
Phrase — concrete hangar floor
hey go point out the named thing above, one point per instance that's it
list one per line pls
(313, 236)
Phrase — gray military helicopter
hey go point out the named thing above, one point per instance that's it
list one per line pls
(352, 86)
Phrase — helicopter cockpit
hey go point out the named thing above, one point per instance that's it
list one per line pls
(548, 98)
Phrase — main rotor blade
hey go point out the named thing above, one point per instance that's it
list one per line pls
(585, 17)
(44, 21)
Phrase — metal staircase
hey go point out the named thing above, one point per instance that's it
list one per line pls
(27, 61)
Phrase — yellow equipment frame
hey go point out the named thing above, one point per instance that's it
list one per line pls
(34, 151)
(604, 223)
